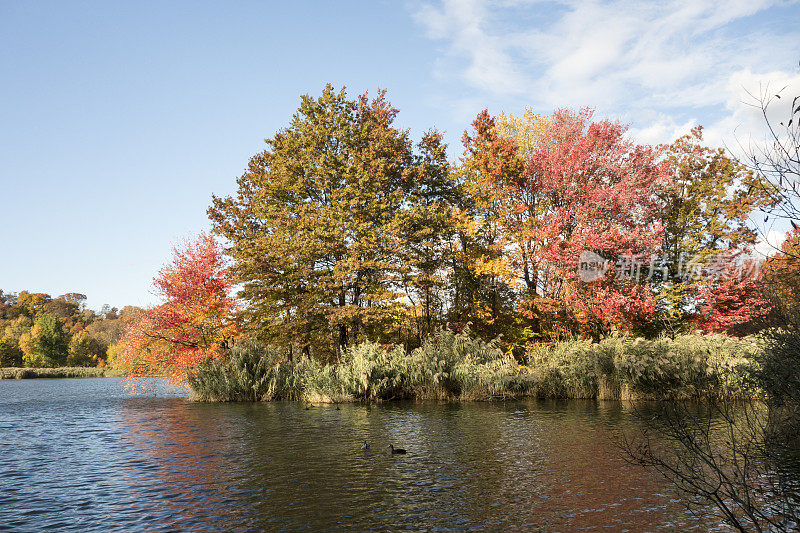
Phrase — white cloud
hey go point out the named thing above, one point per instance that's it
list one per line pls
(663, 128)
(461, 23)
(662, 66)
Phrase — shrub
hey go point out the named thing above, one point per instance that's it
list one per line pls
(778, 374)
(58, 372)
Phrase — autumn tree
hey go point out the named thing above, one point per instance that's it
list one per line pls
(732, 295)
(425, 230)
(32, 305)
(524, 209)
(315, 227)
(107, 332)
(15, 328)
(84, 350)
(75, 298)
(194, 322)
(483, 276)
(706, 210)
(19, 312)
(8, 308)
(600, 193)
(10, 352)
(556, 187)
(519, 195)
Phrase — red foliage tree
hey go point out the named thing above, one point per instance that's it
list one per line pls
(194, 323)
(733, 296)
(596, 192)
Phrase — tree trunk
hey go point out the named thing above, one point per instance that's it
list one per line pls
(342, 327)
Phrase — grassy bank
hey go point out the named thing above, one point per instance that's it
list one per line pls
(60, 372)
(456, 367)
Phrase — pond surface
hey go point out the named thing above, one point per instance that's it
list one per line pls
(86, 455)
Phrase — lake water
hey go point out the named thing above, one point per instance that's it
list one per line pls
(86, 455)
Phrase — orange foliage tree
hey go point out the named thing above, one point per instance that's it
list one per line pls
(782, 274)
(194, 324)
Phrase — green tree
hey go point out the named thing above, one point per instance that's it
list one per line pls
(46, 344)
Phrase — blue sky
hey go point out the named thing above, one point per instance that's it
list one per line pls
(118, 121)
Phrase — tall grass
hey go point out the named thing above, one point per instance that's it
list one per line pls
(251, 373)
(446, 366)
(450, 366)
(689, 366)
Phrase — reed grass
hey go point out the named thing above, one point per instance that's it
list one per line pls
(625, 368)
(450, 366)
(447, 366)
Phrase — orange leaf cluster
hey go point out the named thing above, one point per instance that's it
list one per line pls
(194, 323)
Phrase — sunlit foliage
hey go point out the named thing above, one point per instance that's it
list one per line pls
(193, 324)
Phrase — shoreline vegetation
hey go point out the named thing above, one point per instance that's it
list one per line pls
(457, 367)
(60, 372)
(460, 367)
(354, 265)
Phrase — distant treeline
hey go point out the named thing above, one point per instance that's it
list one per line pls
(37, 330)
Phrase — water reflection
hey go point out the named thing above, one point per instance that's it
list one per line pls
(163, 463)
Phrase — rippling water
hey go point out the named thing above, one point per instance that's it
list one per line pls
(85, 455)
